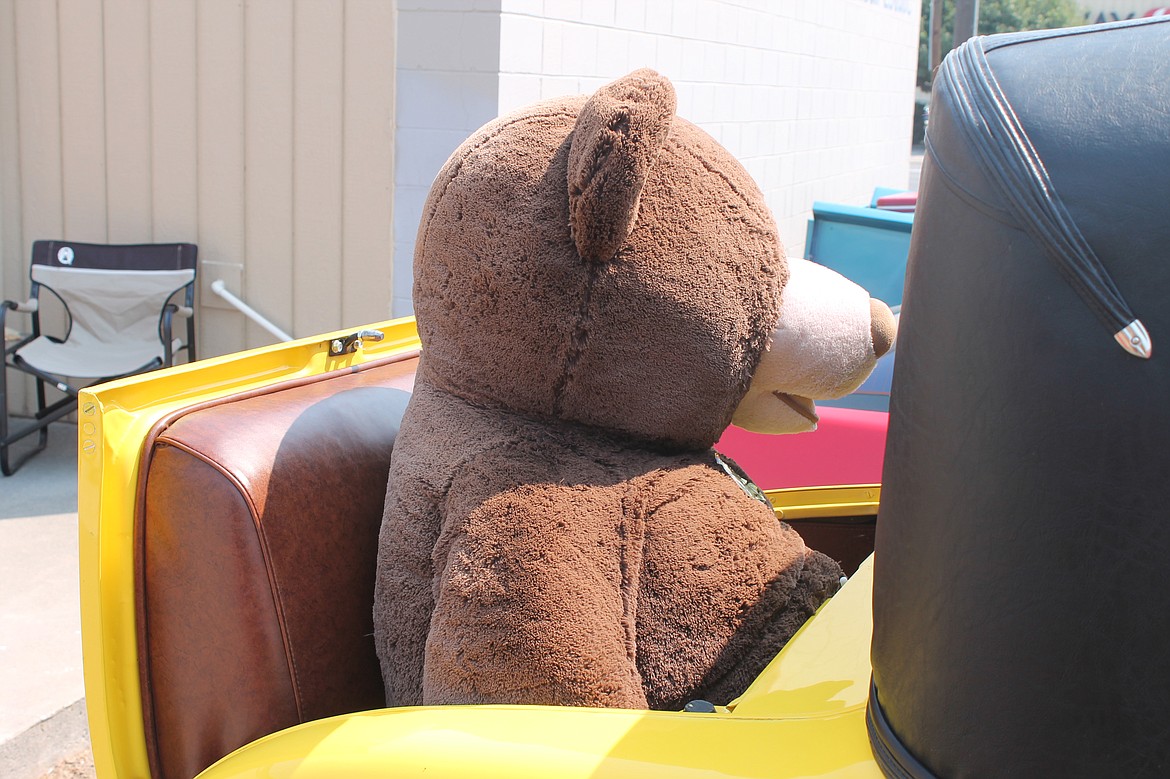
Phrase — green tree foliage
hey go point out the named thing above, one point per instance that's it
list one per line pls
(996, 16)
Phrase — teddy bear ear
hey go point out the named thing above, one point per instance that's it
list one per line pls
(617, 136)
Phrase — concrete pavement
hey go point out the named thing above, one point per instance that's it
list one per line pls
(42, 708)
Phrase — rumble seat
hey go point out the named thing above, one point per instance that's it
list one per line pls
(256, 536)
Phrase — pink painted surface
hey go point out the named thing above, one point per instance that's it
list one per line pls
(846, 448)
(904, 202)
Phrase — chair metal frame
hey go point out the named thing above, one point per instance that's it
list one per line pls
(66, 255)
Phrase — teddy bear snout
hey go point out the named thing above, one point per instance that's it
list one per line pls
(883, 326)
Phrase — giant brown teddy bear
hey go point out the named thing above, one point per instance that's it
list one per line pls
(600, 290)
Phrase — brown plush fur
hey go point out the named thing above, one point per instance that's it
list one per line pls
(594, 285)
(618, 134)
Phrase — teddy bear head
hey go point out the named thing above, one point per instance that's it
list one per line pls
(605, 262)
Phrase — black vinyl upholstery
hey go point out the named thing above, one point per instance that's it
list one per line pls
(1019, 615)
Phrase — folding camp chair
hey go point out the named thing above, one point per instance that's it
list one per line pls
(119, 309)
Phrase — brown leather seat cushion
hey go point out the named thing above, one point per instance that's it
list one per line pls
(256, 538)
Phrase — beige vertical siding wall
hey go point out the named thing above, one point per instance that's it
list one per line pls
(262, 130)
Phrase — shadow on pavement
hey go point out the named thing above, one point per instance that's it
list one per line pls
(46, 483)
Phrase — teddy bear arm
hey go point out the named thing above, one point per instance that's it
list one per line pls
(724, 586)
(529, 607)
(820, 578)
(403, 598)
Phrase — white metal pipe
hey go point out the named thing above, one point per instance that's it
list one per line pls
(219, 288)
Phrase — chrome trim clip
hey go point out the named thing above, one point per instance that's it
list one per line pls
(352, 342)
(1135, 339)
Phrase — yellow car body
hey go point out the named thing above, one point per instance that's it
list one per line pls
(803, 717)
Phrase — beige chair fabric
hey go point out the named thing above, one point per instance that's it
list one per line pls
(115, 320)
(121, 303)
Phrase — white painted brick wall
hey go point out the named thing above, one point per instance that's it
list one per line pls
(815, 97)
(448, 84)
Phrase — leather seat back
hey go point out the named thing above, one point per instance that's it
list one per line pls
(1023, 520)
(256, 540)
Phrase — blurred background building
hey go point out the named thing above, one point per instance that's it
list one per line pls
(1101, 11)
(295, 140)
